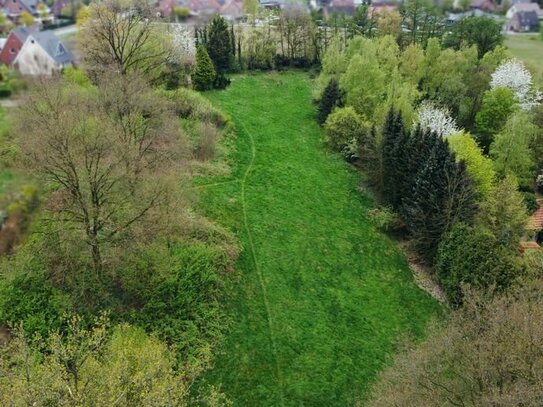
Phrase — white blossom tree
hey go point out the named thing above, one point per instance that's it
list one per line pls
(513, 74)
(436, 119)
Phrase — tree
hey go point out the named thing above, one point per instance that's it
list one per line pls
(480, 167)
(436, 120)
(204, 73)
(394, 140)
(330, 99)
(487, 354)
(219, 44)
(442, 195)
(345, 131)
(473, 256)
(504, 214)
(364, 81)
(511, 149)
(513, 74)
(483, 32)
(104, 178)
(26, 19)
(389, 23)
(93, 366)
(497, 107)
(121, 36)
(181, 13)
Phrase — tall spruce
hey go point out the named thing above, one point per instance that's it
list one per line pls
(394, 142)
(330, 99)
(443, 194)
(219, 44)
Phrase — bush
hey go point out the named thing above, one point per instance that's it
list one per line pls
(206, 143)
(385, 219)
(221, 82)
(192, 105)
(345, 131)
(203, 76)
(174, 292)
(29, 298)
(474, 257)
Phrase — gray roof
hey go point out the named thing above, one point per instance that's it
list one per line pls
(527, 18)
(52, 45)
(23, 32)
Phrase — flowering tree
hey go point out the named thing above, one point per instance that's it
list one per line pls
(513, 74)
(436, 119)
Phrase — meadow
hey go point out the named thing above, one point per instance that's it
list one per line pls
(320, 299)
(528, 48)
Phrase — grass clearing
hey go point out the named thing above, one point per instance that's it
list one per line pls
(528, 48)
(320, 299)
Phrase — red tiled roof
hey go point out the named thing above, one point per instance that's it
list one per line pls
(536, 220)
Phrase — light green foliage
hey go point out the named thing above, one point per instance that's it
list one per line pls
(181, 12)
(322, 297)
(345, 131)
(497, 107)
(86, 367)
(364, 83)
(387, 52)
(511, 148)
(412, 64)
(504, 213)
(479, 167)
(334, 63)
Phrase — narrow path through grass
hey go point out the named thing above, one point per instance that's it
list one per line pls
(320, 299)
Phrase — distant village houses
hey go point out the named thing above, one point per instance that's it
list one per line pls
(34, 52)
(524, 17)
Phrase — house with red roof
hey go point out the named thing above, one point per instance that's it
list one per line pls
(14, 43)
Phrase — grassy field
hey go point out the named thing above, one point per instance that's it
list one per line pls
(528, 48)
(320, 298)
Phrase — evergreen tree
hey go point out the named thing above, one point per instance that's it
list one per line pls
(219, 44)
(395, 159)
(443, 194)
(204, 73)
(330, 99)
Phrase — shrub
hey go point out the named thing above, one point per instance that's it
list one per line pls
(473, 256)
(174, 292)
(345, 131)
(29, 298)
(203, 76)
(530, 201)
(385, 219)
(192, 105)
(206, 144)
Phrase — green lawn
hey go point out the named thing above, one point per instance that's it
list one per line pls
(528, 48)
(320, 298)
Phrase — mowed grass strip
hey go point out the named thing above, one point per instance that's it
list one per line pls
(320, 298)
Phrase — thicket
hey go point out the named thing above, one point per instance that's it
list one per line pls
(451, 189)
(117, 231)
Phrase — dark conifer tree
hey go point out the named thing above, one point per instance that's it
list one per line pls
(219, 44)
(443, 194)
(394, 141)
(331, 98)
(204, 75)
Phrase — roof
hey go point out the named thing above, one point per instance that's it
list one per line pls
(527, 18)
(22, 32)
(536, 220)
(53, 46)
(531, 245)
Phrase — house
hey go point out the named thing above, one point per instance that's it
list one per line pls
(524, 21)
(524, 7)
(204, 7)
(232, 10)
(166, 7)
(42, 53)
(38, 9)
(379, 7)
(536, 223)
(483, 5)
(453, 18)
(14, 43)
(341, 6)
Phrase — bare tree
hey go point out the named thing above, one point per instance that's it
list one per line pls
(105, 171)
(122, 36)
